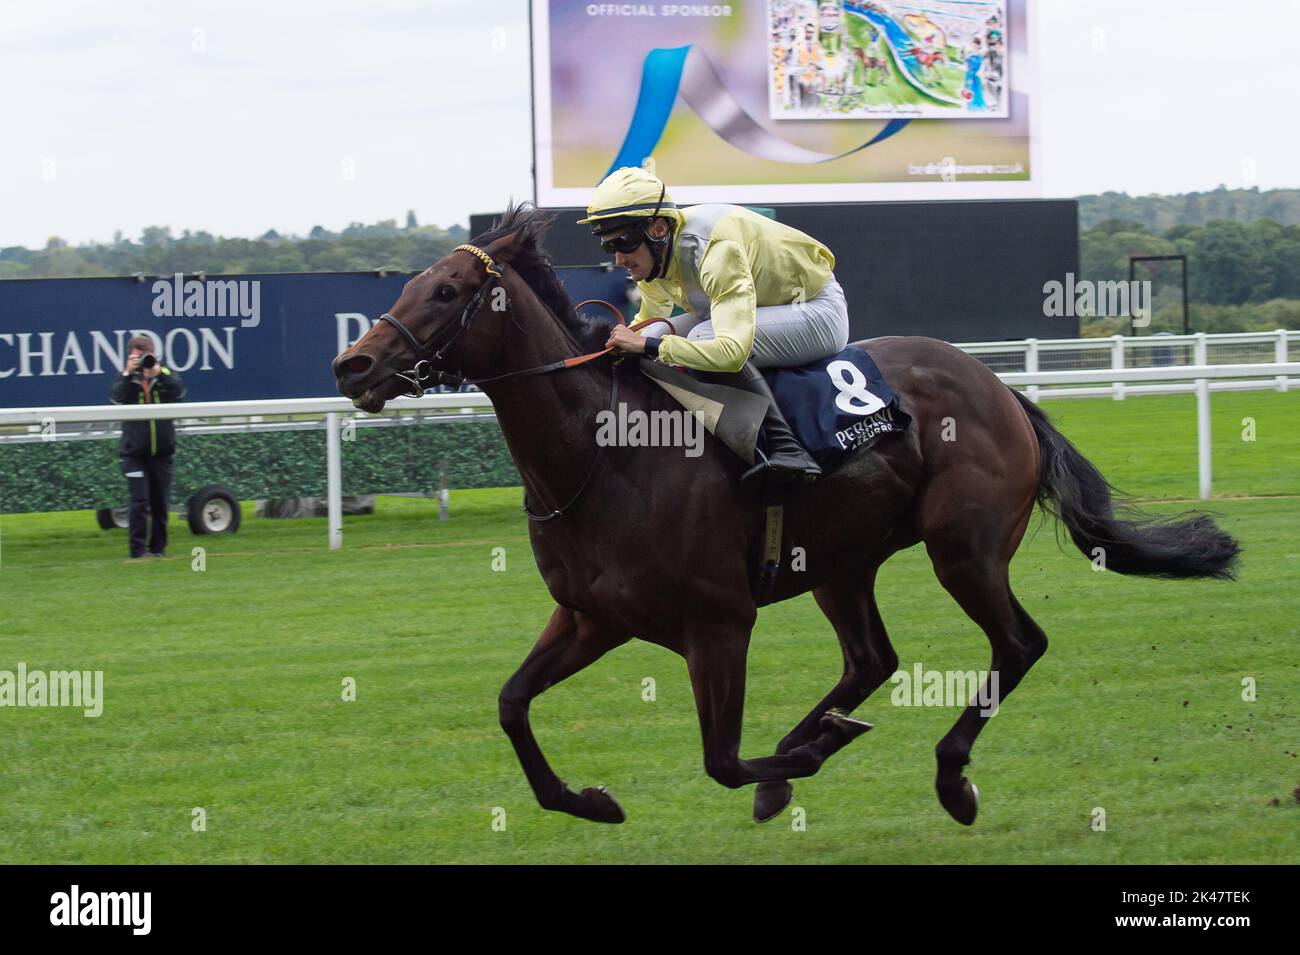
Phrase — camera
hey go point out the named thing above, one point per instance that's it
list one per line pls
(146, 362)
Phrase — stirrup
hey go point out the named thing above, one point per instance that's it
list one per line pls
(759, 474)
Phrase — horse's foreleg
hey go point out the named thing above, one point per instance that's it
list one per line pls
(570, 642)
(869, 659)
(717, 667)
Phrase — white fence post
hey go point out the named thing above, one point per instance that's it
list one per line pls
(1203, 435)
(1280, 357)
(1117, 363)
(444, 495)
(1203, 418)
(334, 480)
(1031, 366)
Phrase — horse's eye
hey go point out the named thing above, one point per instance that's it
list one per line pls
(445, 293)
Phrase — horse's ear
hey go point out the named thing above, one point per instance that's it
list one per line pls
(505, 247)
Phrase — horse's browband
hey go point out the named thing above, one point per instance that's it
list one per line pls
(476, 251)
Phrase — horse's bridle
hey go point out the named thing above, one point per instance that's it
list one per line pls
(422, 372)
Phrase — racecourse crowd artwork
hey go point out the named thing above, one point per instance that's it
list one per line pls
(836, 59)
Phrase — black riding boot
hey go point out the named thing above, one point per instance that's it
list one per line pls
(787, 462)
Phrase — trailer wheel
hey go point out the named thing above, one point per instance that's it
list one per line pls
(112, 518)
(213, 510)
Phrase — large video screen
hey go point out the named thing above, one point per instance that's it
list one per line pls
(786, 100)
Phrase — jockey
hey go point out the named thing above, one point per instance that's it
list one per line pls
(756, 294)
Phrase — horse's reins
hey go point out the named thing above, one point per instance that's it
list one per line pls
(423, 372)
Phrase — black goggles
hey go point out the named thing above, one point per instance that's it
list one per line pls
(625, 242)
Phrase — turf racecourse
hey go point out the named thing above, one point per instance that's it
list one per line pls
(223, 691)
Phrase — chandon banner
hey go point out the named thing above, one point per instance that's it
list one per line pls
(233, 338)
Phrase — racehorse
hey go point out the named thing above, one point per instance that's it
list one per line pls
(927, 59)
(872, 61)
(647, 542)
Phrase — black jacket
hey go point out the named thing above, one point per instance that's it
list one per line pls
(153, 438)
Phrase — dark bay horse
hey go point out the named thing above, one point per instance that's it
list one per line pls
(653, 544)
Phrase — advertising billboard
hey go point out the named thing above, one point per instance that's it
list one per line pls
(786, 101)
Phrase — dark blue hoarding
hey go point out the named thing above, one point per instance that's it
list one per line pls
(232, 337)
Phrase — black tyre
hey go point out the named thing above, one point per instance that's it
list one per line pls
(213, 510)
(112, 518)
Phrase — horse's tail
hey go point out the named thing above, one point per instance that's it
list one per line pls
(1072, 489)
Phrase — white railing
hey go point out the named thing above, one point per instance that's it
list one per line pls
(1198, 378)
(1202, 375)
(222, 409)
(44, 418)
(1145, 351)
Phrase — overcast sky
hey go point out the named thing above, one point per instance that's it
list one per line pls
(235, 117)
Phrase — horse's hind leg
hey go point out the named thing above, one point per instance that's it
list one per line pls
(979, 583)
(570, 642)
(869, 659)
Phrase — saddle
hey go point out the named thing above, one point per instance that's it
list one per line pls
(836, 406)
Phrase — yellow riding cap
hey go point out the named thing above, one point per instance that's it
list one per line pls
(627, 194)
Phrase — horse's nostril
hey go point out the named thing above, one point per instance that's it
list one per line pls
(357, 364)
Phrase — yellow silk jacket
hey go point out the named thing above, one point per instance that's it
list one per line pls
(726, 262)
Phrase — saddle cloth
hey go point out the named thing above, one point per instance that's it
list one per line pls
(836, 406)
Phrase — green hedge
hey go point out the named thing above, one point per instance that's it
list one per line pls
(73, 475)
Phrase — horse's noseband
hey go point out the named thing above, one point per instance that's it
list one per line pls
(422, 375)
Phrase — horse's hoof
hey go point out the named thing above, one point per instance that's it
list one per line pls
(599, 806)
(961, 801)
(844, 725)
(770, 798)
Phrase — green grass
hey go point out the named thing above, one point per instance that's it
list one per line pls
(223, 691)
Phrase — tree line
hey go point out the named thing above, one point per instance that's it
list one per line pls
(1243, 250)
(358, 248)
(1159, 213)
(1240, 277)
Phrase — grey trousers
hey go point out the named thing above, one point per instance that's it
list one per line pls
(785, 336)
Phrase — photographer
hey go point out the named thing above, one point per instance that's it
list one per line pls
(147, 446)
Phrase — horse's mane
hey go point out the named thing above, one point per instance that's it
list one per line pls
(533, 264)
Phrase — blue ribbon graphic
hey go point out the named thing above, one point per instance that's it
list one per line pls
(662, 79)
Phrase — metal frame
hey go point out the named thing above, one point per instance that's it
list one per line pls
(1132, 272)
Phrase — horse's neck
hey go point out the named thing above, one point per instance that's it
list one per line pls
(549, 420)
